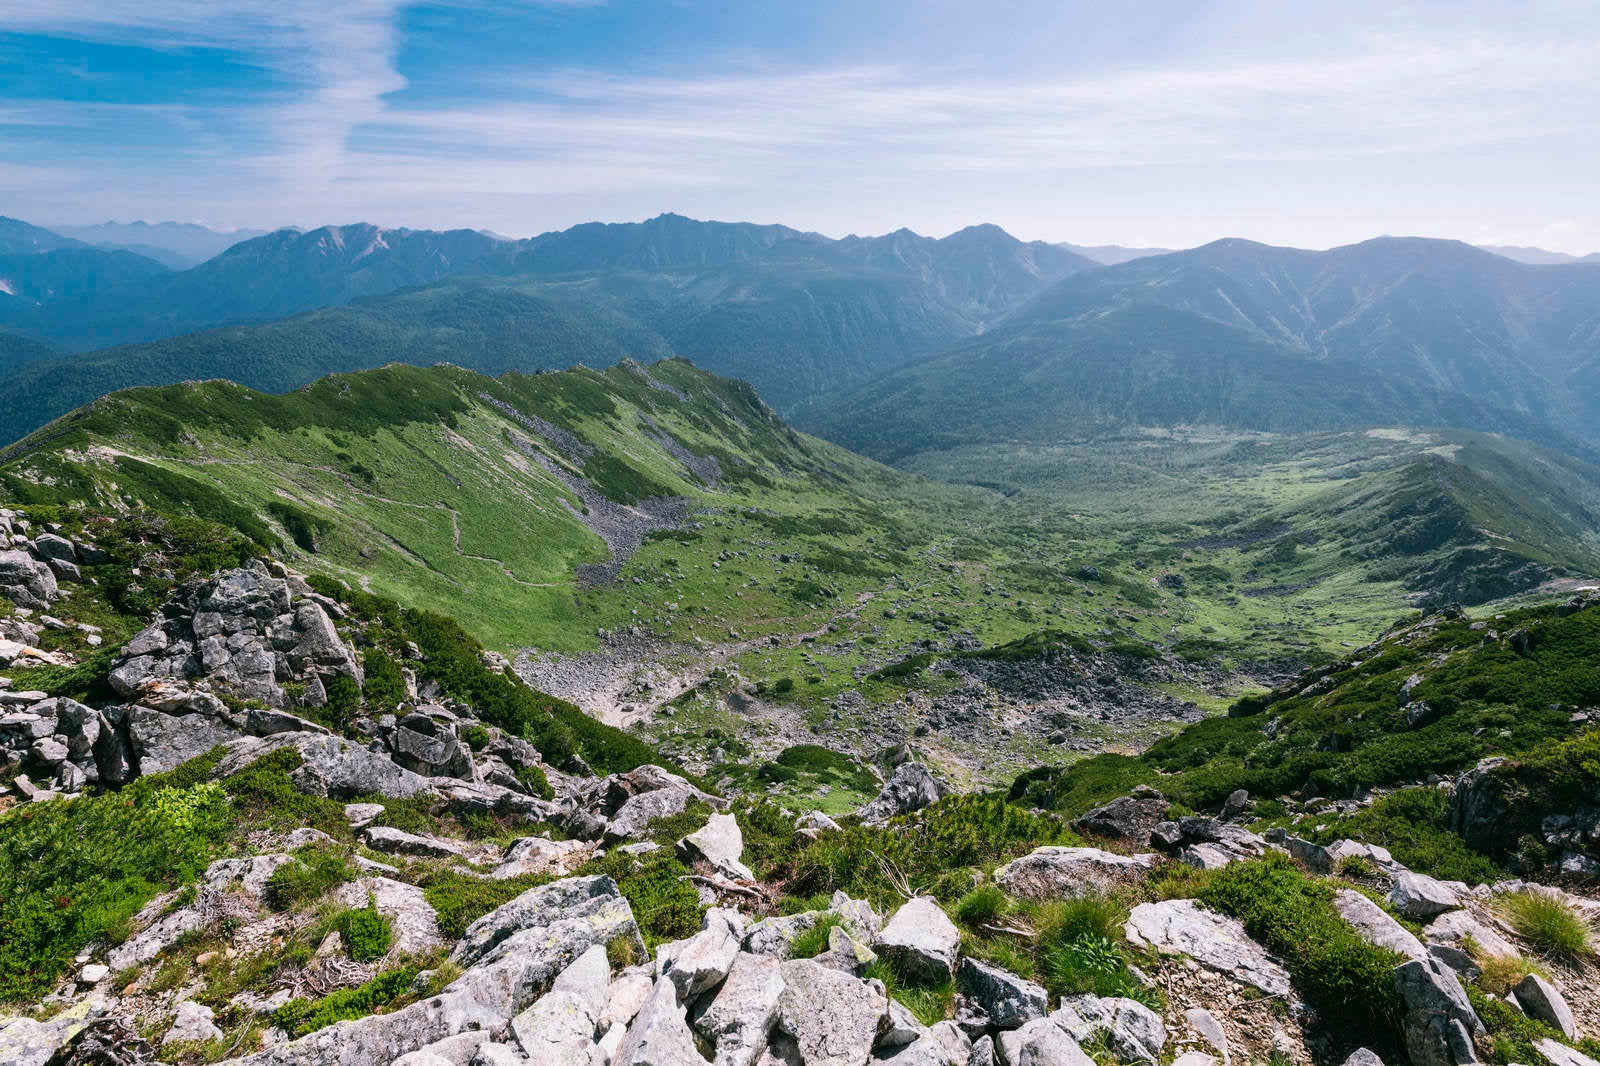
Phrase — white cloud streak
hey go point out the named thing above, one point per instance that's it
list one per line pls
(342, 148)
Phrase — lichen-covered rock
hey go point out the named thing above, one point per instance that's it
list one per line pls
(1542, 1001)
(737, 1019)
(920, 940)
(911, 788)
(826, 1018)
(1040, 1043)
(1054, 872)
(1184, 927)
(1129, 1029)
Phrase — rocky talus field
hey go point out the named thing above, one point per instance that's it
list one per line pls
(258, 816)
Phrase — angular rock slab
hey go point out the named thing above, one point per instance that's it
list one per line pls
(1183, 927)
(920, 940)
(1054, 872)
(1009, 1001)
(738, 1019)
(830, 1018)
(1373, 924)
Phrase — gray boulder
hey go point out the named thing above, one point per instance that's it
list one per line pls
(737, 1020)
(1052, 872)
(1560, 1054)
(1131, 817)
(194, 1023)
(398, 842)
(25, 581)
(1541, 1000)
(1439, 1021)
(826, 1018)
(161, 742)
(1421, 897)
(1130, 1030)
(702, 961)
(558, 1030)
(1362, 1057)
(423, 744)
(590, 900)
(660, 1035)
(1040, 1042)
(774, 937)
(1008, 1001)
(635, 816)
(911, 788)
(920, 940)
(1375, 926)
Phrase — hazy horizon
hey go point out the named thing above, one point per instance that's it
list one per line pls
(1170, 126)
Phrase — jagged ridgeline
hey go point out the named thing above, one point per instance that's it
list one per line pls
(491, 500)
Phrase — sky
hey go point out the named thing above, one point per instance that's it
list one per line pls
(1148, 124)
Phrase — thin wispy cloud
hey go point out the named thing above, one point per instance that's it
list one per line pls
(351, 129)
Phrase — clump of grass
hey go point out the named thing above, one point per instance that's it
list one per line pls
(812, 942)
(930, 1002)
(299, 1016)
(1501, 973)
(981, 906)
(1549, 924)
(1079, 950)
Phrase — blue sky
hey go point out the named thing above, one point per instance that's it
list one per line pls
(1156, 123)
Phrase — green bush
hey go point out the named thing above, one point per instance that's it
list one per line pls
(75, 871)
(367, 934)
(476, 736)
(1348, 981)
(665, 905)
(460, 899)
(307, 878)
(299, 1016)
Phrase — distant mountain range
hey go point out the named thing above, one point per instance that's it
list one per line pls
(795, 313)
(1112, 254)
(1390, 331)
(1538, 256)
(176, 245)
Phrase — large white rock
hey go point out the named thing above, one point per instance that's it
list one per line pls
(1008, 1001)
(193, 1023)
(1374, 925)
(720, 843)
(558, 1030)
(1421, 897)
(700, 962)
(737, 1020)
(1055, 872)
(1184, 927)
(826, 1018)
(1040, 1042)
(660, 1035)
(920, 940)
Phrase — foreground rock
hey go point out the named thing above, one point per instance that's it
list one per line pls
(1184, 927)
(514, 955)
(1054, 872)
(920, 940)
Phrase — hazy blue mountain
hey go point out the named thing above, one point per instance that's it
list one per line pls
(1112, 254)
(1391, 331)
(17, 351)
(1538, 256)
(21, 238)
(178, 245)
(978, 273)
